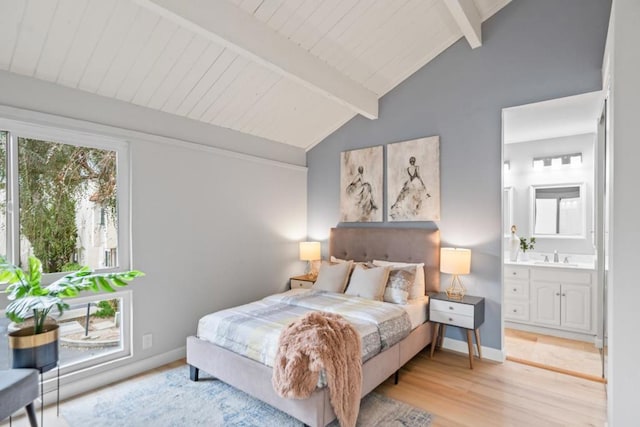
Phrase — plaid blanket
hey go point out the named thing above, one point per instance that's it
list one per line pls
(253, 329)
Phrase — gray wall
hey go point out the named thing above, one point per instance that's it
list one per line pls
(533, 50)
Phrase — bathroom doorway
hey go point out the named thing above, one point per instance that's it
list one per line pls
(553, 216)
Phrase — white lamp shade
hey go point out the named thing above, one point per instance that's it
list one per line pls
(455, 260)
(309, 251)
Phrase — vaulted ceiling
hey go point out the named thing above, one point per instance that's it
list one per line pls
(292, 71)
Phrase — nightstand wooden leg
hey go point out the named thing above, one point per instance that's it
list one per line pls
(470, 345)
(478, 343)
(434, 338)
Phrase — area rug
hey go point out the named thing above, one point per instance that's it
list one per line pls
(169, 398)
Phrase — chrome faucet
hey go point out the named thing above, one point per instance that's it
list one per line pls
(555, 256)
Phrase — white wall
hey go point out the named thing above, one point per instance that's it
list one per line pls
(210, 228)
(522, 176)
(210, 231)
(624, 289)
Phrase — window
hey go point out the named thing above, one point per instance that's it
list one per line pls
(64, 198)
(70, 190)
(558, 211)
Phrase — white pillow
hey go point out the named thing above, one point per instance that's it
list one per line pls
(399, 284)
(418, 290)
(365, 264)
(333, 277)
(368, 282)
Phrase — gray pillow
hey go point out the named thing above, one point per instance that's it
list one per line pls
(399, 284)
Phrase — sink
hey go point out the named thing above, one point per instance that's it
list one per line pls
(556, 264)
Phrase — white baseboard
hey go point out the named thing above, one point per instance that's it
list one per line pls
(98, 376)
(462, 347)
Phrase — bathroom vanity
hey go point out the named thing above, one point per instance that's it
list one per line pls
(551, 298)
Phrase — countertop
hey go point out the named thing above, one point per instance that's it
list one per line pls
(538, 263)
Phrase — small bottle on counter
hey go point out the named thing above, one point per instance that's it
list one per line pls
(514, 245)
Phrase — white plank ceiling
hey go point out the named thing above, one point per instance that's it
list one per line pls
(135, 52)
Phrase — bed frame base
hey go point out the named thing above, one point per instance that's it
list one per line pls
(254, 378)
(193, 373)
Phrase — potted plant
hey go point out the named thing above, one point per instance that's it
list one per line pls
(526, 247)
(37, 346)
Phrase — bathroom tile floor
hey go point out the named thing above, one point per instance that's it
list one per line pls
(573, 357)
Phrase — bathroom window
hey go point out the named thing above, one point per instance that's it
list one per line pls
(558, 211)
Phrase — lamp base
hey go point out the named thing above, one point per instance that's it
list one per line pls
(312, 269)
(456, 290)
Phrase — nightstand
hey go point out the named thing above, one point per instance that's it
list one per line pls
(466, 313)
(304, 282)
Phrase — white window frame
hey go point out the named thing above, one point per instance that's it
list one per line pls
(24, 129)
(126, 326)
(28, 129)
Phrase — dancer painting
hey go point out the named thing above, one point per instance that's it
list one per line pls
(409, 202)
(413, 189)
(361, 185)
(360, 192)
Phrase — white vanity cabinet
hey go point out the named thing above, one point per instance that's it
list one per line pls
(516, 293)
(562, 297)
(550, 297)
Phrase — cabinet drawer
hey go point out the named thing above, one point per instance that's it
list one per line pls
(296, 284)
(516, 289)
(449, 307)
(516, 310)
(561, 275)
(518, 273)
(453, 319)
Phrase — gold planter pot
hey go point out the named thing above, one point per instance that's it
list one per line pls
(38, 351)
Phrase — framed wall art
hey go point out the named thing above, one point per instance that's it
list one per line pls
(413, 180)
(361, 185)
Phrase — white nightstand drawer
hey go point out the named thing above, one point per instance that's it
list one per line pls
(516, 289)
(516, 311)
(449, 307)
(518, 273)
(453, 319)
(296, 284)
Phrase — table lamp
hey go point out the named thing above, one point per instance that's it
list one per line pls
(455, 261)
(310, 251)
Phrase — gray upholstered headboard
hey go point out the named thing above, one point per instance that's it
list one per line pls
(390, 244)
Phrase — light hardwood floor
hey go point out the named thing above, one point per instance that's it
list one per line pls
(492, 394)
(571, 356)
(495, 394)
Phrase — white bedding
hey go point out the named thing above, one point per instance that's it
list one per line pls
(252, 330)
(415, 308)
(417, 311)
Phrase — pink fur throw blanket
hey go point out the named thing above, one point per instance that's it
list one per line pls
(319, 341)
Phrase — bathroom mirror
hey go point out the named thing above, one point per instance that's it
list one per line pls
(558, 211)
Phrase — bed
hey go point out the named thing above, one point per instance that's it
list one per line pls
(358, 244)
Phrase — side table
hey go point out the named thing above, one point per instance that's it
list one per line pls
(466, 313)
